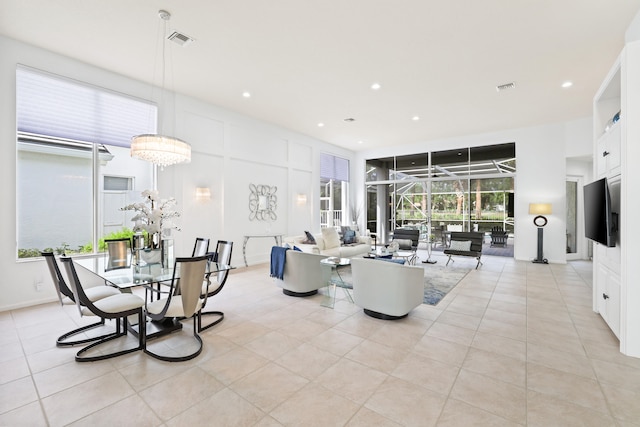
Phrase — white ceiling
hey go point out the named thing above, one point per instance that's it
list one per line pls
(306, 62)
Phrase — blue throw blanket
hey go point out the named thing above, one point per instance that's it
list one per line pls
(278, 258)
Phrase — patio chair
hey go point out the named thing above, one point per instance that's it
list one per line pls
(407, 240)
(498, 236)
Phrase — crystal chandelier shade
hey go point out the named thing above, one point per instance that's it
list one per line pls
(160, 150)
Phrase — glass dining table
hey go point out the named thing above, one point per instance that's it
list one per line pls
(126, 275)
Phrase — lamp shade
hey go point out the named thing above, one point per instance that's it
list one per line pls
(539, 208)
(160, 150)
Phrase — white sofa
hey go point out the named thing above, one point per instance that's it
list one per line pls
(323, 247)
(303, 274)
(386, 290)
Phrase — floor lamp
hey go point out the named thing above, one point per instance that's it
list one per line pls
(540, 209)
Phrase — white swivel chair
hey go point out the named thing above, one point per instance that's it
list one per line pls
(304, 274)
(386, 290)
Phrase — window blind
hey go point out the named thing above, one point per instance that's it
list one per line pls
(56, 106)
(332, 167)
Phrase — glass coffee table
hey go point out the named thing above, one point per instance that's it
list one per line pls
(409, 257)
(336, 280)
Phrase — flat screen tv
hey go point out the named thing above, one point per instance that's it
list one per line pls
(600, 223)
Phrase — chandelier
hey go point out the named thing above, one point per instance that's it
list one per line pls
(161, 150)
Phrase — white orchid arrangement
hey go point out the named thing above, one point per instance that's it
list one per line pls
(154, 215)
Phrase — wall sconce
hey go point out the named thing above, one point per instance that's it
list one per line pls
(301, 199)
(540, 209)
(203, 194)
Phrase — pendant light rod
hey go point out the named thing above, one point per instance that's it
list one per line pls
(159, 149)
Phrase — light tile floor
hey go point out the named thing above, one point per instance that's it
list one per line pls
(514, 343)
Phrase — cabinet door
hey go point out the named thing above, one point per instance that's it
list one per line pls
(608, 297)
(601, 157)
(613, 303)
(613, 148)
(601, 294)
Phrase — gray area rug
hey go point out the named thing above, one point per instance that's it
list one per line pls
(438, 280)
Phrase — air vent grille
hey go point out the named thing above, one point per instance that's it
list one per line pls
(505, 86)
(180, 38)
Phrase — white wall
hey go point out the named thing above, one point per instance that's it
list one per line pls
(541, 174)
(633, 32)
(230, 151)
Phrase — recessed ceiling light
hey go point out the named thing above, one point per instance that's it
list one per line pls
(375, 86)
(567, 84)
(359, 142)
(246, 94)
(415, 118)
(320, 124)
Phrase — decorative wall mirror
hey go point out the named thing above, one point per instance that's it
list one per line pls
(262, 202)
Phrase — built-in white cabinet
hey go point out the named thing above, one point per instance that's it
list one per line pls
(616, 150)
(607, 296)
(608, 152)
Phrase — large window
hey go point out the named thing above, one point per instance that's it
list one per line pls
(74, 171)
(334, 191)
(460, 189)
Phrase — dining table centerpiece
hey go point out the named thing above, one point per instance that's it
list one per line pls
(154, 217)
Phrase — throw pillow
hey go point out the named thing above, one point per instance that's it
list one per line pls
(349, 237)
(310, 239)
(460, 245)
(295, 248)
(404, 243)
(331, 238)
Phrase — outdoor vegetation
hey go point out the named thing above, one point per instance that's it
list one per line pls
(64, 248)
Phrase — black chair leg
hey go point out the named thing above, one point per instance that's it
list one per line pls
(162, 357)
(62, 339)
(122, 331)
(215, 322)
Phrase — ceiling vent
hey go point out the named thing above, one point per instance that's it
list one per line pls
(506, 86)
(180, 38)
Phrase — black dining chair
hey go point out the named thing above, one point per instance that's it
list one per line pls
(201, 247)
(210, 288)
(117, 307)
(65, 296)
(183, 300)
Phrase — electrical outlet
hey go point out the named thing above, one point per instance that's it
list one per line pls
(38, 285)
